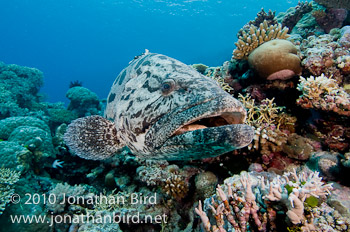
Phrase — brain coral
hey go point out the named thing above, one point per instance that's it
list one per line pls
(14, 156)
(8, 125)
(34, 138)
(276, 59)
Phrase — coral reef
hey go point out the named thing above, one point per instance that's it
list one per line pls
(35, 139)
(14, 156)
(275, 59)
(8, 125)
(335, 3)
(323, 93)
(271, 128)
(291, 17)
(83, 102)
(330, 18)
(256, 36)
(19, 89)
(247, 202)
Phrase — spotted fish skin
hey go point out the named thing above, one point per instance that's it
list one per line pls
(155, 95)
(149, 102)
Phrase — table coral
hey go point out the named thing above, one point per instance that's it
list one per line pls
(323, 93)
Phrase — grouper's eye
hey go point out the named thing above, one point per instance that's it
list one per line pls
(168, 86)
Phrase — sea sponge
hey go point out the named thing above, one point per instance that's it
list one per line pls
(275, 59)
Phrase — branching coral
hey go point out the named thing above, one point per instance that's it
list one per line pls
(267, 120)
(8, 178)
(217, 75)
(323, 93)
(256, 36)
(249, 202)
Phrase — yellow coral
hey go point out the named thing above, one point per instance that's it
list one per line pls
(256, 36)
(267, 119)
(175, 186)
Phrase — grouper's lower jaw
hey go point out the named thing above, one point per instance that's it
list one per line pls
(207, 142)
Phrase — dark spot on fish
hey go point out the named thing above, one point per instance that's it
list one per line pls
(157, 77)
(146, 63)
(163, 57)
(132, 137)
(148, 73)
(111, 97)
(149, 88)
(138, 71)
(130, 104)
(145, 125)
(137, 114)
(140, 62)
(157, 65)
(108, 136)
(121, 78)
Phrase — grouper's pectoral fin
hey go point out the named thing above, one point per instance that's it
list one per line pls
(93, 137)
(208, 142)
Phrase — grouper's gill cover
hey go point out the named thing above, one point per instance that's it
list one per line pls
(160, 108)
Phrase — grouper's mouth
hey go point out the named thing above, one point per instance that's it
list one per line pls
(215, 120)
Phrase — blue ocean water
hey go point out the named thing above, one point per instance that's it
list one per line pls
(92, 41)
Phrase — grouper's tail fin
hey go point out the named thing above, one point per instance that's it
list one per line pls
(93, 137)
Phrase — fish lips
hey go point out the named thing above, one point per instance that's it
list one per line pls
(216, 125)
(207, 142)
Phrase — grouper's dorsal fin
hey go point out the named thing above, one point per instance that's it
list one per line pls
(93, 137)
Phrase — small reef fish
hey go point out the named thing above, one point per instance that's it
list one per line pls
(160, 108)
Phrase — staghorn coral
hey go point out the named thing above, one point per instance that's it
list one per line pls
(8, 178)
(323, 93)
(250, 201)
(256, 36)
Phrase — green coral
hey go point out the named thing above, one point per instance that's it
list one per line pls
(83, 102)
(35, 139)
(10, 124)
(19, 89)
(14, 156)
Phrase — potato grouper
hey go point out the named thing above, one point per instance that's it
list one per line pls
(160, 108)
